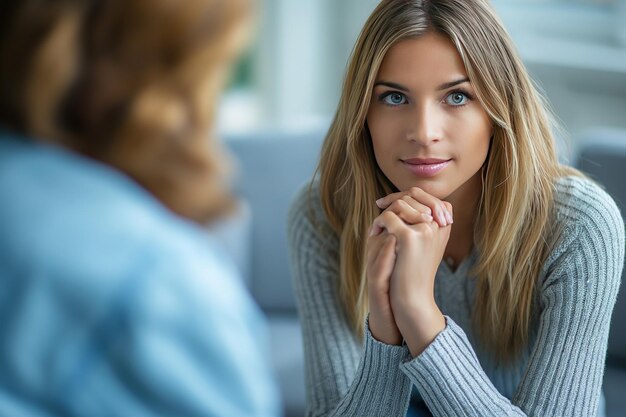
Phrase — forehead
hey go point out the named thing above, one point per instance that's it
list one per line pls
(429, 59)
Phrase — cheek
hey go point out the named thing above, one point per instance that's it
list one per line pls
(382, 134)
(479, 151)
(476, 136)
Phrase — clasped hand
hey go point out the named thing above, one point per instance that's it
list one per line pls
(404, 248)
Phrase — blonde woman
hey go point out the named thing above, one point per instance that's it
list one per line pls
(114, 300)
(445, 263)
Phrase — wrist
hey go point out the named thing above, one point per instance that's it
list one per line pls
(384, 331)
(418, 294)
(420, 326)
(414, 305)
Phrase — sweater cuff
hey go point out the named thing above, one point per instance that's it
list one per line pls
(380, 380)
(397, 353)
(450, 378)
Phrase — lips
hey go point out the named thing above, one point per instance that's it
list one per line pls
(425, 167)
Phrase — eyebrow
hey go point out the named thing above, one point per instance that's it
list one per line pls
(445, 86)
(391, 85)
(400, 87)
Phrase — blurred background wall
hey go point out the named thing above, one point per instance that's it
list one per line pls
(291, 77)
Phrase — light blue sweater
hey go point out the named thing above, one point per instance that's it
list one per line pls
(559, 373)
(113, 306)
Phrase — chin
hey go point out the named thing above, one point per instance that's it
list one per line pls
(436, 189)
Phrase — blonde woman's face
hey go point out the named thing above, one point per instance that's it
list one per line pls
(428, 128)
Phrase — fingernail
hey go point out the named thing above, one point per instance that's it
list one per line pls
(442, 218)
(427, 217)
(449, 217)
(379, 202)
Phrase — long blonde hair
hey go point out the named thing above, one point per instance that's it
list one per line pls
(132, 83)
(518, 176)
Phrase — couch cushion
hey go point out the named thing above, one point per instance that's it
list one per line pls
(234, 233)
(288, 362)
(614, 388)
(271, 168)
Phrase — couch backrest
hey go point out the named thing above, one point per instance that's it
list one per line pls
(271, 168)
(602, 155)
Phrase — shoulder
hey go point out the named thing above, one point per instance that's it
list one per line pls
(85, 238)
(89, 227)
(192, 305)
(307, 218)
(185, 307)
(587, 224)
(582, 204)
(307, 203)
(189, 262)
(193, 285)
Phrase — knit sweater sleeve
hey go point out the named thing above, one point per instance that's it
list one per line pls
(564, 373)
(343, 376)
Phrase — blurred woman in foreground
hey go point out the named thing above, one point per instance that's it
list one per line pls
(113, 300)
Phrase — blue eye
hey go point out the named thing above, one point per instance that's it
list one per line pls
(457, 98)
(393, 99)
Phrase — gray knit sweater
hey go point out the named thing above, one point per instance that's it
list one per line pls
(559, 373)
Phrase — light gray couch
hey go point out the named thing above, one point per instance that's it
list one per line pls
(272, 166)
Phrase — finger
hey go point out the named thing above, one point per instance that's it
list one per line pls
(375, 229)
(408, 213)
(385, 259)
(374, 245)
(384, 202)
(378, 225)
(422, 208)
(437, 209)
(414, 192)
(380, 268)
(450, 210)
(392, 224)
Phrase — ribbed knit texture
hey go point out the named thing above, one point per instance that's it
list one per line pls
(558, 374)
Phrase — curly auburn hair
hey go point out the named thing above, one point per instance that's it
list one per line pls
(131, 83)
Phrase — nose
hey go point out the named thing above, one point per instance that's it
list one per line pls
(425, 126)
